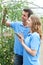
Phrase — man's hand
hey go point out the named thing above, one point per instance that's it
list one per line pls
(4, 15)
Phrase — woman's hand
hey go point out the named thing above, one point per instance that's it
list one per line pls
(21, 38)
(29, 50)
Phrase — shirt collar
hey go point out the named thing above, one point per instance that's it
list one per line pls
(23, 25)
(29, 33)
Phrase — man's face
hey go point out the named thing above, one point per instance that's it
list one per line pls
(24, 16)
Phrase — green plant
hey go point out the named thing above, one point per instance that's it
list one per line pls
(14, 12)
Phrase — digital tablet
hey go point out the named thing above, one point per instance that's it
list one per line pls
(17, 34)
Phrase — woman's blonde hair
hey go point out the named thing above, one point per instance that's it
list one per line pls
(36, 25)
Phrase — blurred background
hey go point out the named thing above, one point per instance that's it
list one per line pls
(14, 11)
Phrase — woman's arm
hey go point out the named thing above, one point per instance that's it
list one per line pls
(29, 50)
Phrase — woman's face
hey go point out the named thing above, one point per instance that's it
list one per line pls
(29, 22)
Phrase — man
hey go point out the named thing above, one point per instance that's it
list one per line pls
(19, 27)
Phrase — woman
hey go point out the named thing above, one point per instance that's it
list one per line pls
(31, 43)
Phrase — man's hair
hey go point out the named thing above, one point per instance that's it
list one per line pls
(30, 12)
